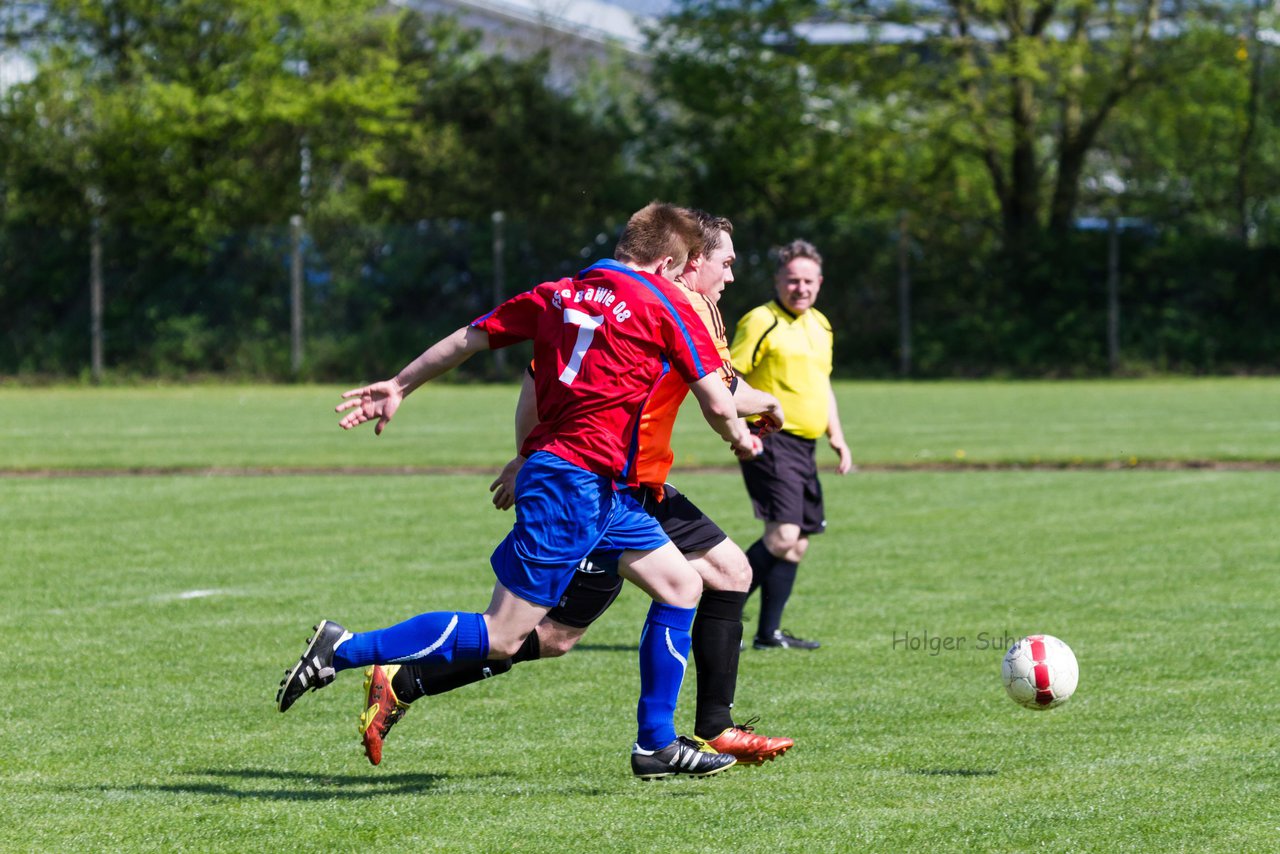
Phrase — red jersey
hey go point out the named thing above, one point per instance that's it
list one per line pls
(602, 342)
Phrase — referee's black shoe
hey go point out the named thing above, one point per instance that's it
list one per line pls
(783, 639)
(682, 756)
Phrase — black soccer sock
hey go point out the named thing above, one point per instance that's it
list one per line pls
(762, 561)
(414, 681)
(774, 594)
(419, 680)
(717, 639)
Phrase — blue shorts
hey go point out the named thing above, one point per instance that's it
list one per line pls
(563, 514)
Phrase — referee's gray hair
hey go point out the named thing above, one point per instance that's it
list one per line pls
(798, 249)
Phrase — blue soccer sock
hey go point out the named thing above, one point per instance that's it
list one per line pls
(434, 638)
(664, 653)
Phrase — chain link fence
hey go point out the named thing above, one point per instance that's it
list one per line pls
(373, 296)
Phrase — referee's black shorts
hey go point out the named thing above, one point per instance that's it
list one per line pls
(783, 483)
(595, 586)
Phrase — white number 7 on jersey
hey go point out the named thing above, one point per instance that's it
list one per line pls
(587, 325)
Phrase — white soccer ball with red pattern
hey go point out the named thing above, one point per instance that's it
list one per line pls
(1040, 672)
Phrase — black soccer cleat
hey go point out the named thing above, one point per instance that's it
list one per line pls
(783, 639)
(314, 669)
(682, 756)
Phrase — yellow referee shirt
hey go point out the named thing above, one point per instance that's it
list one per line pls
(790, 358)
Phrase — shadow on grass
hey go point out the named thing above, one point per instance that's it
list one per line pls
(606, 647)
(264, 784)
(295, 785)
(954, 772)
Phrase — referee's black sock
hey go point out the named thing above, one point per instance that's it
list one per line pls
(717, 640)
(761, 561)
(774, 593)
(414, 681)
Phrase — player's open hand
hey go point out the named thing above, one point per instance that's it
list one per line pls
(380, 401)
(504, 488)
(845, 464)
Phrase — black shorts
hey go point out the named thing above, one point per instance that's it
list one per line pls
(596, 583)
(783, 483)
(687, 526)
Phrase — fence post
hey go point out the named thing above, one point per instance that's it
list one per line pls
(904, 296)
(95, 300)
(295, 294)
(499, 279)
(1113, 294)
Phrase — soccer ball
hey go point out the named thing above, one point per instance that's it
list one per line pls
(1040, 672)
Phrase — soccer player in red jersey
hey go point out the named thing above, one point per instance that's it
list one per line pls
(722, 565)
(605, 339)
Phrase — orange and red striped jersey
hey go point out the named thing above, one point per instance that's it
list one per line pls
(658, 417)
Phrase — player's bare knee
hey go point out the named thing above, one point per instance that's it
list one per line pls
(724, 568)
(782, 542)
(556, 639)
(664, 574)
(504, 646)
(682, 591)
(737, 576)
(686, 592)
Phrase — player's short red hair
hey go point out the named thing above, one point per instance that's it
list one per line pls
(659, 230)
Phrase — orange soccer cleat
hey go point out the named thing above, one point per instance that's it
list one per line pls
(740, 740)
(381, 709)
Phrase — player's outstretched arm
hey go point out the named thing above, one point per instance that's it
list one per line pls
(381, 400)
(753, 401)
(722, 414)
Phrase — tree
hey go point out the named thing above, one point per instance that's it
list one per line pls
(1198, 152)
(1020, 88)
(194, 129)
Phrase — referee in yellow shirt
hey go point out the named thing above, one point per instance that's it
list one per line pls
(784, 347)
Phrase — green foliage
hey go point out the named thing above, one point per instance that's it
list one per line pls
(1188, 310)
(1198, 152)
(961, 141)
(747, 132)
(192, 131)
(987, 129)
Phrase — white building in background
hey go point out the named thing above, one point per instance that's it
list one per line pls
(574, 33)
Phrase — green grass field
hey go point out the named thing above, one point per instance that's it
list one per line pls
(470, 426)
(148, 619)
